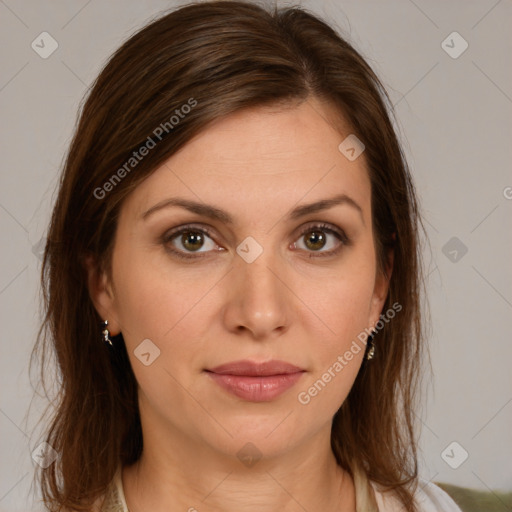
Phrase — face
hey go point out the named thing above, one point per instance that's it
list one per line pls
(263, 279)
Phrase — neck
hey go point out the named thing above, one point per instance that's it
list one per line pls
(185, 475)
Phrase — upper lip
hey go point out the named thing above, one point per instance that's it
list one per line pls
(254, 369)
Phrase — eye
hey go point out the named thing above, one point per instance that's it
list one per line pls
(188, 239)
(318, 238)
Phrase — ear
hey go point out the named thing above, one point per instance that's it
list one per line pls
(102, 294)
(381, 288)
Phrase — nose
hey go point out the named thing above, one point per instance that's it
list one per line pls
(259, 300)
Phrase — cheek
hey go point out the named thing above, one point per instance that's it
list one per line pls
(342, 302)
(171, 308)
(336, 357)
(337, 332)
(151, 299)
(153, 305)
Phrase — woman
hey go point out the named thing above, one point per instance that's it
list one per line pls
(232, 278)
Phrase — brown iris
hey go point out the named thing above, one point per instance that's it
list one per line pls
(316, 240)
(192, 240)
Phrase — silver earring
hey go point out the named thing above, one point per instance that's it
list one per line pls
(106, 333)
(370, 346)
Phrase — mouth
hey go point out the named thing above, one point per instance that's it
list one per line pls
(256, 382)
(253, 369)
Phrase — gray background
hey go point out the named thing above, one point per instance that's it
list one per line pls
(454, 116)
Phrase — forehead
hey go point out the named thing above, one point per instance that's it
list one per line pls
(268, 140)
(270, 157)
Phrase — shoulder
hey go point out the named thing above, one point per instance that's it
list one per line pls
(429, 498)
(112, 500)
(432, 497)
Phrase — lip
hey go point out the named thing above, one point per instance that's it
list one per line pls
(255, 369)
(256, 382)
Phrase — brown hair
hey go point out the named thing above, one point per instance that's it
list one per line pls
(224, 56)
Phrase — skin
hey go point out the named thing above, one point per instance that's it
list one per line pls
(288, 304)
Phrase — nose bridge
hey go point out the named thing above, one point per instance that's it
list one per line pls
(259, 278)
(260, 299)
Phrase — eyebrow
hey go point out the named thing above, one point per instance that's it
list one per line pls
(223, 216)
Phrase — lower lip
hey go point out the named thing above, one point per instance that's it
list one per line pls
(256, 389)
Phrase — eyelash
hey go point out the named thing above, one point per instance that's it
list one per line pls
(328, 228)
